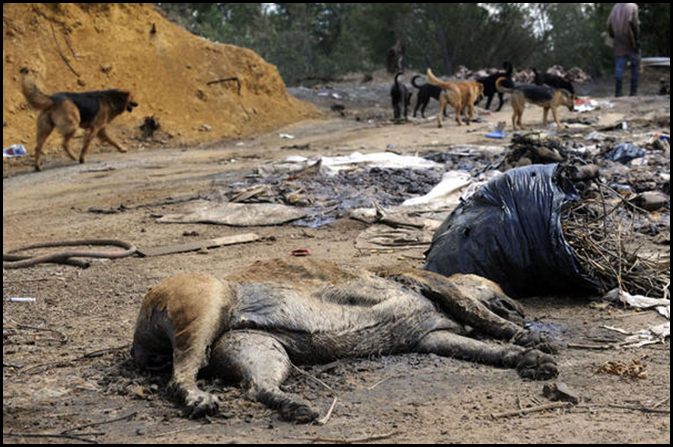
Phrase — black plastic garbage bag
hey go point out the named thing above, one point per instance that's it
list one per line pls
(510, 232)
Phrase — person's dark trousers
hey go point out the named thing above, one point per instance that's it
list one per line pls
(620, 68)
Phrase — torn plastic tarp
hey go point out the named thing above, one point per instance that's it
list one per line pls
(332, 165)
(510, 232)
(234, 214)
(452, 182)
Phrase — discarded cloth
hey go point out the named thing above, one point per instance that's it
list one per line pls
(235, 214)
(625, 152)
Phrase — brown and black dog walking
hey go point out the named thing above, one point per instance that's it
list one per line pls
(540, 95)
(69, 111)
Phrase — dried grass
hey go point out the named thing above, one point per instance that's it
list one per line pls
(601, 232)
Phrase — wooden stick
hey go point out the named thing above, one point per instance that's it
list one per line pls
(351, 440)
(51, 435)
(593, 347)
(315, 379)
(643, 409)
(198, 245)
(96, 424)
(58, 47)
(544, 407)
(323, 420)
(233, 78)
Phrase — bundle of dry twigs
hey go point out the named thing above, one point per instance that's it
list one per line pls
(601, 232)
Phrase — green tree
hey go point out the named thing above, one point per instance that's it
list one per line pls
(327, 40)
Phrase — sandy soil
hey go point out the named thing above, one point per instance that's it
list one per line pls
(65, 356)
(172, 74)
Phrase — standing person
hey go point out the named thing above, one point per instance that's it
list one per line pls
(624, 28)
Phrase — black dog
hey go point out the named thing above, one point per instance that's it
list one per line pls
(552, 80)
(401, 97)
(489, 85)
(425, 92)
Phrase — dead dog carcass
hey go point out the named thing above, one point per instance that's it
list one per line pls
(253, 323)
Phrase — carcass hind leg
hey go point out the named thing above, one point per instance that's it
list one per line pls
(261, 363)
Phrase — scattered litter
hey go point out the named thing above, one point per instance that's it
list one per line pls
(559, 391)
(625, 152)
(286, 136)
(634, 370)
(588, 104)
(666, 138)
(447, 191)
(21, 299)
(497, 134)
(379, 237)
(662, 305)
(250, 193)
(300, 252)
(652, 335)
(585, 105)
(356, 160)
(328, 188)
(533, 148)
(596, 136)
(383, 160)
(14, 151)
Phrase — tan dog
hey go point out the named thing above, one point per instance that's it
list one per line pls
(69, 111)
(540, 95)
(461, 95)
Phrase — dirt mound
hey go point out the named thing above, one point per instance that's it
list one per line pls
(93, 46)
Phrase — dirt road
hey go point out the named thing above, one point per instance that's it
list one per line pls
(66, 363)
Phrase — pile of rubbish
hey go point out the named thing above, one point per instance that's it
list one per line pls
(544, 217)
(567, 216)
(574, 74)
(329, 188)
(548, 215)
